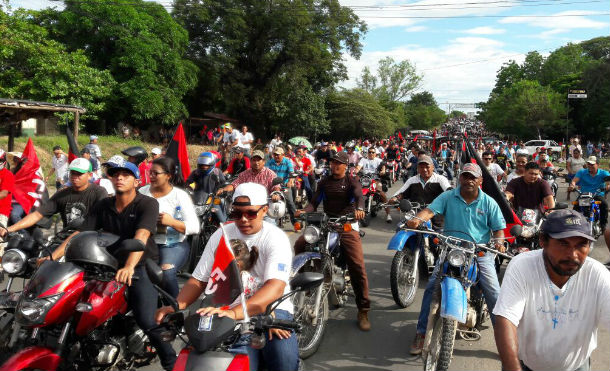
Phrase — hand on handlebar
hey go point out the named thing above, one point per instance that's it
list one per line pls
(500, 246)
(162, 312)
(359, 214)
(276, 198)
(413, 223)
(279, 333)
(210, 311)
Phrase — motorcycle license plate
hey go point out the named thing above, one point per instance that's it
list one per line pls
(584, 202)
(205, 323)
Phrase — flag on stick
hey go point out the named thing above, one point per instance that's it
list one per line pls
(177, 150)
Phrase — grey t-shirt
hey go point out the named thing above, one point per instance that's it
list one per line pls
(576, 164)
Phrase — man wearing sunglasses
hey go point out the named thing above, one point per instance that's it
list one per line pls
(271, 272)
(494, 169)
(342, 195)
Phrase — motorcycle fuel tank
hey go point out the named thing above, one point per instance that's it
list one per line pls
(106, 299)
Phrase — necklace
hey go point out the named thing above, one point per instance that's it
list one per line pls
(556, 297)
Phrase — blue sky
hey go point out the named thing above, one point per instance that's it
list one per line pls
(460, 52)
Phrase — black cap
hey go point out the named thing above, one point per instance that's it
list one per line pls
(341, 157)
(566, 223)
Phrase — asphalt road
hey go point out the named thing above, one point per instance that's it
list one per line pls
(386, 346)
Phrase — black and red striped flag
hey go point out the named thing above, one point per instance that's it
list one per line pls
(73, 152)
(491, 187)
(177, 151)
(224, 285)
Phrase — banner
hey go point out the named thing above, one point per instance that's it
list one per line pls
(177, 150)
(30, 188)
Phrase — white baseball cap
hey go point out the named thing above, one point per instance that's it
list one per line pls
(156, 151)
(254, 191)
(82, 165)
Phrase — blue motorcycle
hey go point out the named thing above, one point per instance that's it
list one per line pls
(587, 205)
(413, 257)
(457, 305)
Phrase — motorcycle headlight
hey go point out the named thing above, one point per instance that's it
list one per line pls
(366, 182)
(528, 231)
(199, 210)
(456, 258)
(311, 234)
(14, 261)
(584, 202)
(33, 311)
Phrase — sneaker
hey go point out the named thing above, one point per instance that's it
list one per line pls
(388, 218)
(418, 344)
(363, 320)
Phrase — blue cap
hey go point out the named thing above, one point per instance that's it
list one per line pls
(567, 223)
(125, 166)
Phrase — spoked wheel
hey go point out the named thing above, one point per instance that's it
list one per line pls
(312, 332)
(403, 285)
(442, 339)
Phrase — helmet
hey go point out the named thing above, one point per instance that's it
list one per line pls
(89, 249)
(277, 209)
(137, 152)
(207, 158)
(350, 144)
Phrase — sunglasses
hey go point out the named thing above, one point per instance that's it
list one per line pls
(373, 152)
(156, 173)
(250, 214)
(487, 158)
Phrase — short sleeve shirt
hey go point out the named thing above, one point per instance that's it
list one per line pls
(529, 195)
(370, 166)
(477, 219)
(60, 165)
(590, 183)
(141, 213)
(71, 204)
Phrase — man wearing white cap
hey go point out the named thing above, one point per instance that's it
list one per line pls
(271, 271)
(94, 149)
(71, 202)
(592, 180)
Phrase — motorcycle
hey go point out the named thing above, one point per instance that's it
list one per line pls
(456, 299)
(587, 205)
(205, 208)
(413, 257)
(551, 178)
(323, 254)
(73, 315)
(209, 339)
(372, 201)
(392, 172)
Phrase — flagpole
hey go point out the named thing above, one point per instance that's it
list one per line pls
(242, 295)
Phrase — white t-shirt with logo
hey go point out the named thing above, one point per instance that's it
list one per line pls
(554, 334)
(370, 166)
(274, 256)
(495, 170)
(248, 137)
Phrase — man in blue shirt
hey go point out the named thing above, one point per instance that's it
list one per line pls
(282, 167)
(590, 180)
(468, 211)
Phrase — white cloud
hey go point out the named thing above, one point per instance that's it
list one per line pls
(416, 29)
(485, 30)
(463, 71)
(563, 24)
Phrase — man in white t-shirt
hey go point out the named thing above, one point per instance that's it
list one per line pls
(494, 169)
(60, 166)
(247, 139)
(370, 164)
(271, 269)
(553, 300)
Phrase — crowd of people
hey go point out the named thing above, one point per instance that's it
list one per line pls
(547, 322)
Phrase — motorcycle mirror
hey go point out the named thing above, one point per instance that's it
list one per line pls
(155, 273)
(277, 180)
(561, 205)
(306, 280)
(405, 206)
(516, 230)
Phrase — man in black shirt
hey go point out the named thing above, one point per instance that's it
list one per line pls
(324, 153)
(71, 202)
(131, 216)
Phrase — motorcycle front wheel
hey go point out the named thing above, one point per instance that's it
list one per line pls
(403, 286)
(442, 339)
(311, 334)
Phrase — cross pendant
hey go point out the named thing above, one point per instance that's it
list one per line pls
(555, 321)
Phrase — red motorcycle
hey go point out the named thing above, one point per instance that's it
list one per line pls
(210, 339)
(73, 315)
(372, 200)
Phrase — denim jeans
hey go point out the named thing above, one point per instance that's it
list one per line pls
(17, 213)
(176, 255)
(143, 299)
(220, 213)
(277, 355)
(488, 281)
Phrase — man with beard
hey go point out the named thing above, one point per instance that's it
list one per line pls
(553, 300)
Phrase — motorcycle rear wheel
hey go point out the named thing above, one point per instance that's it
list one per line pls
(311, 335)
(403, 292)
(441, 345)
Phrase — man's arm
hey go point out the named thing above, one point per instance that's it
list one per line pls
(421, 217)
(505, 333)
(549, 201)
(573, 183)
(4, 194)
(272, 290)
(124, 274)
(509, 196)
(29, 220)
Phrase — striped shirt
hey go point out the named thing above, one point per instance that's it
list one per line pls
(283, 169)
(264, 177)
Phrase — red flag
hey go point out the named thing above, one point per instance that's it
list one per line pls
(224, 285)
(29, 182)
(434, 141)
(400, 136)
(177, 151)
(415, 139)
(73, 152)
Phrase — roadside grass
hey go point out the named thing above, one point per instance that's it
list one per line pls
(110, 145)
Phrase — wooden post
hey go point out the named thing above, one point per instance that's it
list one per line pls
(11, 137)
(76, 124)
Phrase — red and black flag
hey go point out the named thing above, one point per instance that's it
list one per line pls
(177, 151)
(434, 141)
(224, 285)
(73, 152)
(491, 187)
(30, 188)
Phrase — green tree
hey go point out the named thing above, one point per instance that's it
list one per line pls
(357, 114)
(456, 114)
(140, 44)
(394, 81)
(245, 49)
(532, 66)
(33, 67)
(422, 111)
(508, 74)
(567, 60)
(525, 105)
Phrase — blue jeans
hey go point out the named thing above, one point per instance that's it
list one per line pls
(488, 279)
(175, 255)
(278, 355)
(17, 213)
(143, 299)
